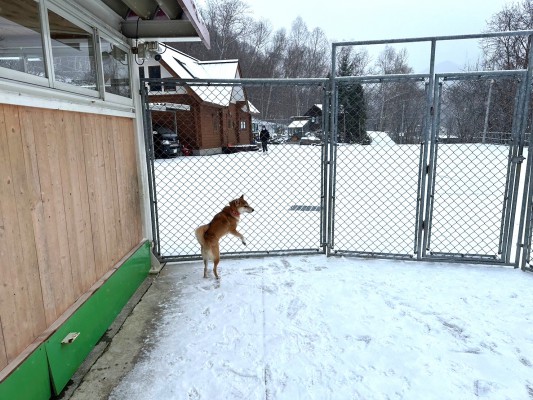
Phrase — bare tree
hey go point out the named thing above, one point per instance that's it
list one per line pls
(228, 22)
(509, 52)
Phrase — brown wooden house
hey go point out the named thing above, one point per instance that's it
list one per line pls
(208, 119)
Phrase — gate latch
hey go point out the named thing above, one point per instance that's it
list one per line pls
(517, 159)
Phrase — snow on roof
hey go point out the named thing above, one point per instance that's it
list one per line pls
(298, 124)
(168, 106)
(250, 108)
(187, 67)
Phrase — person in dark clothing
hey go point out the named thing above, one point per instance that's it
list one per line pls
(264, 135)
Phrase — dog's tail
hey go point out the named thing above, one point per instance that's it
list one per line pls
(200, 232)
(200, 236)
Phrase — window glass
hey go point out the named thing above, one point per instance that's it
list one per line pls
(73, 53)
(155, 72)
(21, 46)
(116, 69)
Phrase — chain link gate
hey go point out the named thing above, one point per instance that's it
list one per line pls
(475, 160)
(203, 151)
(377, 155)
(459, 199)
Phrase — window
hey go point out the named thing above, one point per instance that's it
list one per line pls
(73, 53)
(155, 72)
(243, 125)
(116, 69)
(56, 45)
(21, 46)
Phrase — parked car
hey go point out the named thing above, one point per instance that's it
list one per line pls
(311, 140)
(166, 143)
(275, 140)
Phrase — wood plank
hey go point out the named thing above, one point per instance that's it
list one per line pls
(3, 354)
(82, 250)
(54, 133)
(26, 198)
(130, 169)
(120, 147)
(7, 237)
(14, 306)
(36, 208)
(52, 270)
(112, 212)
(93, 171)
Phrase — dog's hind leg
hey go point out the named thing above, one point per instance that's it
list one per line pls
(205, 267)
(205, 258)
(216, 259)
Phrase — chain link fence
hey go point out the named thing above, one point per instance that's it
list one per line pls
(379, 130)
(205, 151)
(426, 166)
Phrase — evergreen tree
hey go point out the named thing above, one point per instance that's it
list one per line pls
(351, 125)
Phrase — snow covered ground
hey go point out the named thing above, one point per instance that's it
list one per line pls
(311, 327)
(375, 200)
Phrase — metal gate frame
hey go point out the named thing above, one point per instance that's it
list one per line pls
(513, 168)
(417, 224)
(428, 159)
(428, 155)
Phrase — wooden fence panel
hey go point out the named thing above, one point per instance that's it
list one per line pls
(69, 210)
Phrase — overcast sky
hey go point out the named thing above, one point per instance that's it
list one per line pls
(381, 19)
(350, 20)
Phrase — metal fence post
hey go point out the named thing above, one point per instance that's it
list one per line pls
(332, 142)
(148, 139)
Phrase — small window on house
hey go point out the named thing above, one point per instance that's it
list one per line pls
(116, 69)
(155, 73)
(21, 46)
(243, 125)
(73, 52)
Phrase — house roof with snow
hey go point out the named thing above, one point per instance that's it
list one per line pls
(298, 123)
(186, 67)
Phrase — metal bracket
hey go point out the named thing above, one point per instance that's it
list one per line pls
(71, 337)
(517, 159)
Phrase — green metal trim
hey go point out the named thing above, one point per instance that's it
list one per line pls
(31, 380)
(94, 317)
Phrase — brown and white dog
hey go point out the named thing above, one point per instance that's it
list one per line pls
(223, 223)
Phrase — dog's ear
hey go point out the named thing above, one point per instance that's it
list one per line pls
(242, 197)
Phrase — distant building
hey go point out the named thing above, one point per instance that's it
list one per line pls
(208, 119)
(315, 116)
(298, 127)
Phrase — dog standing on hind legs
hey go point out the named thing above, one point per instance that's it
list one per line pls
(223, 223)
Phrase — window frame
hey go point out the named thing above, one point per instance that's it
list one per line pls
(91, 26)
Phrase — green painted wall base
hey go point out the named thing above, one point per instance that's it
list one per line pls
(51, 366)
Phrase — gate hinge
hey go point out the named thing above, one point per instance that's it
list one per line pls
(423, 225)
(517, 159)
(427, 169)
(431, 110)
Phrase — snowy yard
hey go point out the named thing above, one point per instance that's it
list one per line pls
(311, 327)
(375, 199)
